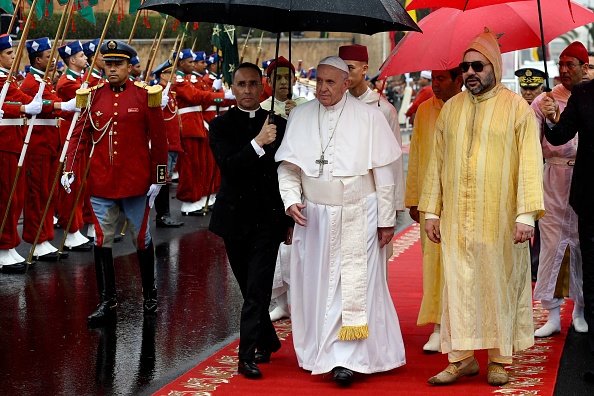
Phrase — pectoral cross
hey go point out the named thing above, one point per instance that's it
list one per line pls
(321, 162)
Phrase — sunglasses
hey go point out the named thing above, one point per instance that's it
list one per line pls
(477, 66)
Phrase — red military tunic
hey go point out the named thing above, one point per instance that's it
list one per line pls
(121, 124)
(192, 162)
(40, 162)
(172, 123)
(11, 143)
(66, 88)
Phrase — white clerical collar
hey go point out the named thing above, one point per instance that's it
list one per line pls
(339, 105)
(251, 112)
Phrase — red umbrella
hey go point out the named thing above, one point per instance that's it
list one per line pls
(448, 31)
(459, 4)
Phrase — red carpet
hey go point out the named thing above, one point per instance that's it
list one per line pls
(534, 371)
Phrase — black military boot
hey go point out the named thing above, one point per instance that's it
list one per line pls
(105, 274)
(146, 260)
(164, 219)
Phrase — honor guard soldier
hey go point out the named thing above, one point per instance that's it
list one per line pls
(121, 120)
(192, 162)
(173, 126)
(42, 153)
(15, 105)
(75, 59)
(90, 49)
(136, 72)
(531, 81)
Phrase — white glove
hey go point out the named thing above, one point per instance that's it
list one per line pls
(1, 114)
(69, 106)
(34, 107)
(152, 193)
(67, 179)
(217, 84)
(164, 99)
(229, 95)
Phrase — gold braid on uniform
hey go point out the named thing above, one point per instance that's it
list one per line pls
(154, 93)
(82, 95)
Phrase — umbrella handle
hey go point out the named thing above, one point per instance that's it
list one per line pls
(557, 112)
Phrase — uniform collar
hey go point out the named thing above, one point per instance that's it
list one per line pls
(73, 73)
(36, 72)
(121, 88)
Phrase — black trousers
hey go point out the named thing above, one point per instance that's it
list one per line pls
(252, 260)
(586, 235)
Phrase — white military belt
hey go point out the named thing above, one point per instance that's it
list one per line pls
(24, 121)
(211, 108)
(12, 122)
(560, 161)
(325, 192)
(191, 109)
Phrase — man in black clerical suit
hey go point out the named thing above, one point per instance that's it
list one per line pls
(577, 118)
(249, 213)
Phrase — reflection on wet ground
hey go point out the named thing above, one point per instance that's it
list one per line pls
(45, 344)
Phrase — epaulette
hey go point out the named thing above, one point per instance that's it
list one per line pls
(82, 95)
(154, 93)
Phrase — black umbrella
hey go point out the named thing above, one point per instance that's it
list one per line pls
(357, 16)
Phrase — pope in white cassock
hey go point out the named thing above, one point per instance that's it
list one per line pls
(337, 182)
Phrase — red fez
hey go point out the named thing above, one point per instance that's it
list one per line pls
(354, 52)
(577, 50)
(282, 62)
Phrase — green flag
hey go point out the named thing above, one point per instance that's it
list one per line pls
(224, 40)
(84, 8)
(43, 8)
(7, 6)
(134, 4)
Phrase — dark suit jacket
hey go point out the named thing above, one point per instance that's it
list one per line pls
(578, 116)
(249, 197)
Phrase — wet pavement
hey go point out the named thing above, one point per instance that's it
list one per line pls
(47, 349)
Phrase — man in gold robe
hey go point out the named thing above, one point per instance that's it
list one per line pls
(445, 84)
(481, 195)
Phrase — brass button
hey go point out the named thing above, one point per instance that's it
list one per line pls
(115, 104)
(115, 114)
(115, 133)
(115, 153)
(115, 123)
(117, 95)
(116, 143)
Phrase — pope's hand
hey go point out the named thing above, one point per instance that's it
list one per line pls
(267, 134)
(217, 84)
(164, 99)
(385, 235)
(34, 107)
(432, 230)
(67, 179)
(152, 193)
(295, 212)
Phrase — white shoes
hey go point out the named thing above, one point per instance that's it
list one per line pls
(580, 325)
(432, 345)
(547, 330)
(91, 231)
(278, 313)
(74, 239)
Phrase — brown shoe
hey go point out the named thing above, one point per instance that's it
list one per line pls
(496, 374)
(452, 373)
